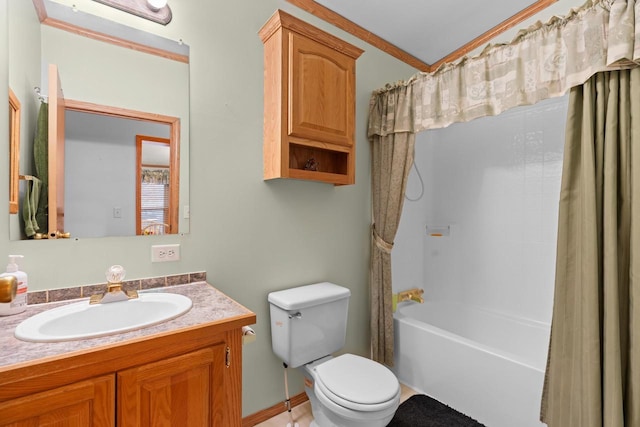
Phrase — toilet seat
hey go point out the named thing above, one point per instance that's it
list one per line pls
(357, 383)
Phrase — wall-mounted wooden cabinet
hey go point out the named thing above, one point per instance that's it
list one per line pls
(309, 102)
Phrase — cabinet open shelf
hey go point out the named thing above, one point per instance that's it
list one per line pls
(316, 159)
(318, 164)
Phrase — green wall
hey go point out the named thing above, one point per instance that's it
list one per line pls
(250, 236)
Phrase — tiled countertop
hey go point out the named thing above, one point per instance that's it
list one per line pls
(209, 306)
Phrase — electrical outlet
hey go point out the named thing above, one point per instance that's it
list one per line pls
(165, 253)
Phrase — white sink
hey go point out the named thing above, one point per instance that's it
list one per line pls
(82, 320)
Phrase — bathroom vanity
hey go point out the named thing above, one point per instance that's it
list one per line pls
(183, 372)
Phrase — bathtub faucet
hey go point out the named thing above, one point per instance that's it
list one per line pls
(414, 294)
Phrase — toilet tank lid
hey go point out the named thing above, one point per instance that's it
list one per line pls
(308, 295)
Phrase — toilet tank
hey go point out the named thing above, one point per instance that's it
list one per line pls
(308, 322)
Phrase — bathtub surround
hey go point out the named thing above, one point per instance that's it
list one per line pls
(593, 376)
(496, 182)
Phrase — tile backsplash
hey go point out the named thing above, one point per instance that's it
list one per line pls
(53, 295)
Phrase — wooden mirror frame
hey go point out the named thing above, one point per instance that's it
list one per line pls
(14, 151)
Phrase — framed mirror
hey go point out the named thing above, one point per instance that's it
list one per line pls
(111, 90)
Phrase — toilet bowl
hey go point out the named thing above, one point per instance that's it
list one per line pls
(351, 391)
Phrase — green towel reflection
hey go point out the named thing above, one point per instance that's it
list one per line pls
(30, 206)
(41, 159)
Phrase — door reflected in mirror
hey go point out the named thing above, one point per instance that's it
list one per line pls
(155, 188)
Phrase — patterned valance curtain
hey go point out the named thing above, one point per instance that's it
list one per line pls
(541, 62)
(155, 176)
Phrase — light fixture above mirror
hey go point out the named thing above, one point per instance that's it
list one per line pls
(153, 10)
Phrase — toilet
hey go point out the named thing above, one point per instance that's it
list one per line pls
(308, 324)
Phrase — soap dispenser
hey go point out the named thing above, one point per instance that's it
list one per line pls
(19, 303)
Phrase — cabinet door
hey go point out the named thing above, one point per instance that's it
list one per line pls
(86, 403)
(321, 92)
(184, 391)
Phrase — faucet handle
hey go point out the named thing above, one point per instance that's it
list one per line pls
(417, 297)
(115, 274)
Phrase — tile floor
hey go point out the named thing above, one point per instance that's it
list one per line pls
(302, 413)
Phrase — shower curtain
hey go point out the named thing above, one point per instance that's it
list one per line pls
(392, 150)
(593, 371)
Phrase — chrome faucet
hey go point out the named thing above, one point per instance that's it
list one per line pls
(114, 293)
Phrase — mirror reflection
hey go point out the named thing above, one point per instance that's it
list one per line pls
(154, 187)
(100, 181)
(118, 125)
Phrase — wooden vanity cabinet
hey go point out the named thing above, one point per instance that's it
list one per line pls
(84, 403)
(189, 378)
(309, 102)
(187, 391)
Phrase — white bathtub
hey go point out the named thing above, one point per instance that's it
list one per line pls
(486, 365)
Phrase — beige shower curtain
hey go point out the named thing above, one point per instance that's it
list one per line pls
(593, 373)
(392, 149)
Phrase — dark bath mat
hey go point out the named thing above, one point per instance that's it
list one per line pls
(422, 411)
